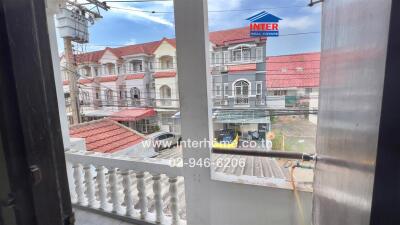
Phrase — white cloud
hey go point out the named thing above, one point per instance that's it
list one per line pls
(131, 41)
(136, 14)
(298, 23)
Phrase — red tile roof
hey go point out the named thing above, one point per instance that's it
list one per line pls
(134, 76)
(291, 71)
(164, 74)
(107, 78)
(237, 35)
(81, 81)
(106, 135)
(242, 67)
(132, 114)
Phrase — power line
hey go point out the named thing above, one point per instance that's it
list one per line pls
(211, 11)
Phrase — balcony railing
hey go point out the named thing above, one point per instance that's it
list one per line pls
(221, 101)
(241, 100)
(165, 102)
(147, 191)
(260, 100)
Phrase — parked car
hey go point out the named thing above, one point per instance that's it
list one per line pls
(227, 139)
(163, 140)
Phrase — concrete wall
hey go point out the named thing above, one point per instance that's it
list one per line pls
(238, 204)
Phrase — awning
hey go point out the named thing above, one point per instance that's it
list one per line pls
(99, 113)
(241, 116)
(132, 114)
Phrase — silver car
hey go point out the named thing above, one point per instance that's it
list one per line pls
(163, 140)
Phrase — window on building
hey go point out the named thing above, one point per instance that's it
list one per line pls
(218, 58)
(259, 88)
(108, 96)
(97, 93)
(237, 55)
(135, 95)
(241, 53)
(280, 92)
(110, 67)
(226, 89)
(84, 98)
(96, 72)
(241, 92)
(226, 57)
(135, 66)
(165, 95)
(166, 62)
(122, 92)
(259, 53)
(218, 90)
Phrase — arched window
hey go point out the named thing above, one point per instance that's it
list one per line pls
(135, 96)
(109, 96)
(241, 92)
(165, 95)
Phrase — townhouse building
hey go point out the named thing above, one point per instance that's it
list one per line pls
(293, 78)
(239, 85)
(145, 76)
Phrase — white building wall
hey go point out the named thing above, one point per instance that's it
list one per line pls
(313, 118)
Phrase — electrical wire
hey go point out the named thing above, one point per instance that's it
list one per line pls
(211, 11)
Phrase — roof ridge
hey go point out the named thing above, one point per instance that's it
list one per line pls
(305, 53)
(75, 126)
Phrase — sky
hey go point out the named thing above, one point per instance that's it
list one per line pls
(125, 23)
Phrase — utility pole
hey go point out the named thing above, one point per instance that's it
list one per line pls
(73, 87)
(73, 21)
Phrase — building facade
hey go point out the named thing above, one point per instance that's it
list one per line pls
(145, 75)
(292, 79)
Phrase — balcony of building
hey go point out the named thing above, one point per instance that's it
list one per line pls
(165, 63)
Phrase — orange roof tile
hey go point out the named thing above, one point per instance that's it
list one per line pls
(164, 74)
(106, 136)
(133, 114)
(134, 76)
(297, 70)
(222, 37)
(242, 67)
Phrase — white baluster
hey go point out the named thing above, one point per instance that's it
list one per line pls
(101, 187)
(89, 186)
(78, 184)
(158, 198)
(173, 191)
(142, 194)
(114, 190)
(128, 197)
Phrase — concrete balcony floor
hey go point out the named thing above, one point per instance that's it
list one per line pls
(86, 217)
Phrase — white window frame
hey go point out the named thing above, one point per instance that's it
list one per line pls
(226, 57)
(218, 58)
(218, 90)
(259, 90)
(226, 89)
(259, 54)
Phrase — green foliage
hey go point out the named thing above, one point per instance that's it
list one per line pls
(277, 142)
